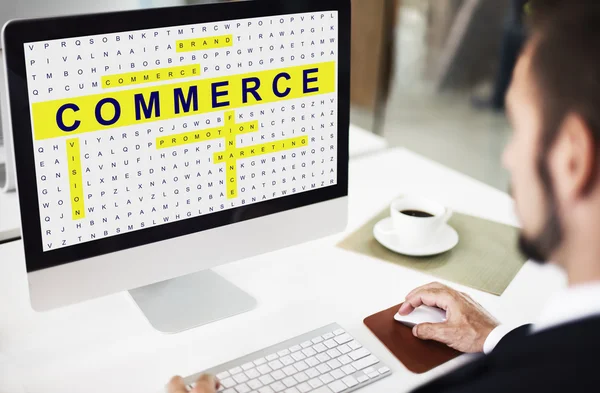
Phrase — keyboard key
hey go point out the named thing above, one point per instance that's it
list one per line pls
(247, 366)
(373, 374)
(315, 383)
(338, 374)
(255, 384)
(365, 362)
(252, 374)
(344, 349)
(264, 369)
(338, 332)
(306, 344)
(308, 352)
(323, 368)
(243, 388)
(343, 339)
(278, 387)
(291, 390)
(304, 387)
(286, 360)
(240, 378)
(272, 357)
(345, 359)
(359, 353)
(362, 378)
(260, 361)
(228, 382)
(275, 364)
(289, 382)
(298, 356)
(320, 348)
(326, 378)
(277, 375)
(333, 353)
(317, 340)
(223, 375)
(369, 370)
(230, 390)
(327, 336)
(266, 379)
(312, 372)
(334, 363)
(283, 352)
(312, 361)
(330, 344)
(301, 365)
(301, 377)
(289, 370)
(323, 357)
(235, 370)
(383, 370)
(265, 389)
(348, 369)
(354, 344)
(295, 348)
(337, 386)
(350, 381)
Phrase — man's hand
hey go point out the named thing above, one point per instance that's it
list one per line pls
(204, 384)
(467, 323)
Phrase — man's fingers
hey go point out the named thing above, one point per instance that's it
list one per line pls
(439, 298)
(176, 385)
(431, 285)
(431, 331)
(206, 384)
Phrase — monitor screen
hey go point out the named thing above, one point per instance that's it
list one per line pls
(145, 134)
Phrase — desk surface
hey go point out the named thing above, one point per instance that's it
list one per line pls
(10, 219)
(362, 143)
(105, 345)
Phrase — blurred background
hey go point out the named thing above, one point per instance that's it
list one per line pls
(428, 75)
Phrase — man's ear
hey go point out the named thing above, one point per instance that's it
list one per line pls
(573, 159)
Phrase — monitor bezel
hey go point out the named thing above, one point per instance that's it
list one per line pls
(17, 33)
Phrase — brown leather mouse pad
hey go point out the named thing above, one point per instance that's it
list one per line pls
(417, 355)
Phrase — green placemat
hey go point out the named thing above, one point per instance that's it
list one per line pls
(486, 257)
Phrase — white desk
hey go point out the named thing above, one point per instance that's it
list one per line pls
(362, 143)
(105, 345)
(10, 219)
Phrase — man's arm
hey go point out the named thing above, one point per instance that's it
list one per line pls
(468, 328)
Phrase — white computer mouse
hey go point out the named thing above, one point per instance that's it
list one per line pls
(423, 314)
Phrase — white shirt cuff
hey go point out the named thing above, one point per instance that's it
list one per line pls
(495, 336)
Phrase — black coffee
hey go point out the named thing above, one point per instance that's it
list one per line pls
(416, 213)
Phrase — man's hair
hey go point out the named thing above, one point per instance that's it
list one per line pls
(565, 63)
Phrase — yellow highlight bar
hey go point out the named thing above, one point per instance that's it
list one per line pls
(257, 150)
(231, 179)
(186, 138)
(208, 134)
(149, 76)
(75, 179)
(204, 43)
(137, 106)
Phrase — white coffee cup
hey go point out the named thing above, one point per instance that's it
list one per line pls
(417, 231)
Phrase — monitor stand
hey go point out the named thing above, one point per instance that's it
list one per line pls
(186, 302)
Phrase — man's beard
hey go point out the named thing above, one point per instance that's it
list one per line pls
(540, 248)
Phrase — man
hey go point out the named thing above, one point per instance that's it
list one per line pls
(554, 160)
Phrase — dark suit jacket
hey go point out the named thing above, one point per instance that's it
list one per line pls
(561, 359)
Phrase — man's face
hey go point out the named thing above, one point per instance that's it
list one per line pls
(534, 204)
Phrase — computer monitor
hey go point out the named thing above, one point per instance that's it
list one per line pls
(155, 144)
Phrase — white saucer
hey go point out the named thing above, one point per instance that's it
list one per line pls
(446, 240)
